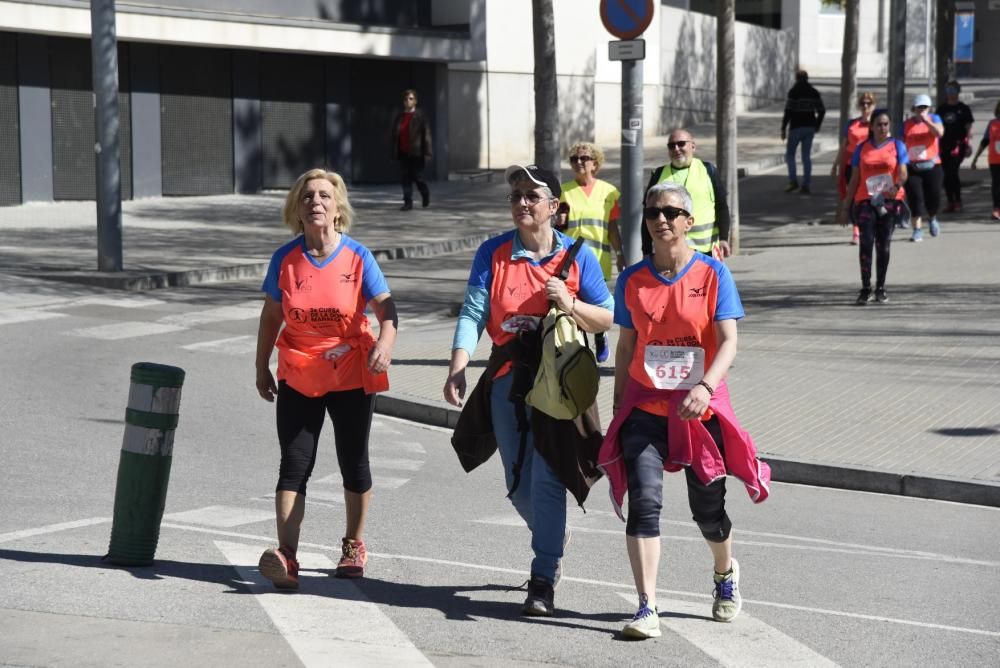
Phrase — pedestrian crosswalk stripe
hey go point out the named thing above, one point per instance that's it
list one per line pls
(745, 642)
(26, 315)
(234, 345)
(124, 330)
(51, 528)
(221, 516)
(243, 311)
(335, 625)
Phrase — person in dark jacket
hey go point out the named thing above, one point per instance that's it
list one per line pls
(955, 143)
(411, 146)
(711, 234)
(803, 117)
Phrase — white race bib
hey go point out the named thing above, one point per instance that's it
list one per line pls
(521, 323)
(674, 367)
(917, 153)
(878, 183)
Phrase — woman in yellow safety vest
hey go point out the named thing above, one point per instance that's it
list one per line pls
(588, 209)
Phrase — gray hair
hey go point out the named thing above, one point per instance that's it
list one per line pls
(668, 188)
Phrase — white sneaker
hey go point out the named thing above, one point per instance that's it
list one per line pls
(727, 595)
(645, 624)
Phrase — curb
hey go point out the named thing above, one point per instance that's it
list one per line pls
(858, 479)
(136, 280)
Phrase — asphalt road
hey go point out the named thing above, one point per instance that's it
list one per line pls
(829, 577)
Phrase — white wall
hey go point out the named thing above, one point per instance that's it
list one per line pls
(678, 79)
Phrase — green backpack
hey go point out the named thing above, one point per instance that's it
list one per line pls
(567, 380)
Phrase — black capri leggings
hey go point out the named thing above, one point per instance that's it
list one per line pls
(300, 420)
(644, 446)
(923, 191)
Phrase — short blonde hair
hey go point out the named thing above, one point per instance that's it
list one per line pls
(345, 212)
(592, 149)
(867, 95)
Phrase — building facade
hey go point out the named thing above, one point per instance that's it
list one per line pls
(243, 95)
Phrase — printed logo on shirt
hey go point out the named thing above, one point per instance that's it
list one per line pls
(698, 292)
(349, 278)
(687, 341)
(298, 315)
(516, 291)
(325, 315)
(302, 284)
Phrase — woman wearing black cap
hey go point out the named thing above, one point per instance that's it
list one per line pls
(512, 283)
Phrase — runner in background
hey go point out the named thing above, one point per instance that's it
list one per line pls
(855, 131)
(588, 209)
(876, 193)
(955, 144)
(991, 141)
(921, 133)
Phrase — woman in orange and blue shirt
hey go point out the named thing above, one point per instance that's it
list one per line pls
(991, 141)
(329, 361)
(511, 285)
(677, 311)
(876, 193)
(856, 131)
(922, 133)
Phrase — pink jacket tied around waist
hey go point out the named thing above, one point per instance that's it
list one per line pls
(689, 444)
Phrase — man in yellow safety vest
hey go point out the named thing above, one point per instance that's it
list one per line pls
(710, 233)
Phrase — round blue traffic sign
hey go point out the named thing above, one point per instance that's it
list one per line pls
(626, 19)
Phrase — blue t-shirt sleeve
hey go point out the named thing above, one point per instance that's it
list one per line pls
(471, 319)
(270, 284)
(623, 317)
(936, 119)
(847, 127)
(727, 305)
(480, 276)
(902, 156)
(373, 281)
(856, 158)
(593, 289)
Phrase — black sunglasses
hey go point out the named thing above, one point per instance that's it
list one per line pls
(669, 212)
(531, 197)
(677, 144)
(581, 158)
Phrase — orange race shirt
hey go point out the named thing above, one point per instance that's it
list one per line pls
(324, 344)
(921, 143)
(992, 136)
(674, 312)
(876, 161)
(856, 132)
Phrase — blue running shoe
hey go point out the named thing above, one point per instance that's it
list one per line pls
(601, 347)
(918, 235)
(935, 227)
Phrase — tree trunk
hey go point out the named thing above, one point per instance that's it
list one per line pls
(849, 60)
(546, 91)
(725, 112)
(944, 45)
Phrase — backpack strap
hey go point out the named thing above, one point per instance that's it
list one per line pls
(568, 260)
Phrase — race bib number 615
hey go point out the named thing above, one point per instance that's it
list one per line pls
(674, 367)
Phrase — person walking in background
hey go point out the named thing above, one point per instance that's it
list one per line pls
(878, 172)
(710, 233)
(955, 143)
(921, 133)
(855, 131)
(513, 281)
(315, 293)
(589, 210)
(411, 146)
(991, 144)
(803, 117)
(677, 312)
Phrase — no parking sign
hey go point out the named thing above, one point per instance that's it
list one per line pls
(626, 19)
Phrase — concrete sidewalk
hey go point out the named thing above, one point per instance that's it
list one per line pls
(901, 398)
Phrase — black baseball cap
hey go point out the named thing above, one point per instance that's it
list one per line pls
(542, 177)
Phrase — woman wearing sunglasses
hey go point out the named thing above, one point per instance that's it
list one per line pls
(677, 311)
(514, 279)
(588, 209)
(876, 194)
(921, 134)
(855, 132)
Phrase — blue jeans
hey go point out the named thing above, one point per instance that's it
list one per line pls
(798, 136)
(540, 498)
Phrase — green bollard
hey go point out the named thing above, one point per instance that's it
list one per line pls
(144, 467)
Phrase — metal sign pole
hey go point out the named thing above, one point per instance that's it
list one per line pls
(632, 158)
(104, 57)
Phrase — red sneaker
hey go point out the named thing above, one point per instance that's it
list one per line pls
(280, 566)
(353, 558)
